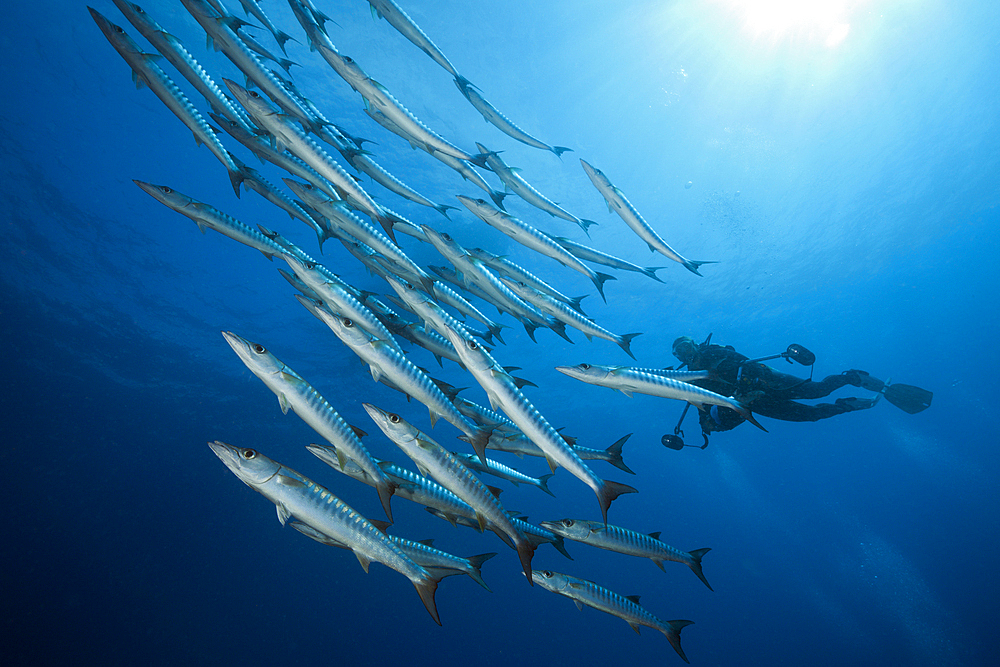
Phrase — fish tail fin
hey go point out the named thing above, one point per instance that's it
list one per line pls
(695, 564)
(530, 328)
(651, 272)
(444, 208)
(614, 453)
(281, 37)
(385, 489)
(585, 225)
(543, 484)
(525, 550)
(497, 198)
(479, 440)
(476, 563)
(386, 223)
(692, 265)
(463, 83)
(746, 414)
(625, 340)
(574, 303)
(560, 545)
(426, 589)
(494, 329)
(599, 280)
(672, 629)
(609, 491)
(560, 329)
(236, 178)
(559, 150)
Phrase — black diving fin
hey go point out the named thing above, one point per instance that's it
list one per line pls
(908, 398)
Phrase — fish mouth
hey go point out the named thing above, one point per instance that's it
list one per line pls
(226, 453)
(550, 525)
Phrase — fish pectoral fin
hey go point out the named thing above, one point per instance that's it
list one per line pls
(284, 403)
(341, 459)
(363, 559)
(283, 514)
(376, 373)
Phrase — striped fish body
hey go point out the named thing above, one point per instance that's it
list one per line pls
(435, 461)
(617, 202)
(500, 121)
(146, 72)
(380, 175)
(629, 542)
(398, 19)
(497, 469)
(589, 254)
(253, 180)
(295, 394)
(505, 267)
(208, 217)
(584, 592)
(297, 496)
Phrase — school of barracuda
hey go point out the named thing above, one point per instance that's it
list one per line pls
(276, 122)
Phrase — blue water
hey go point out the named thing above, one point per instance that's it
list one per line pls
(846, 182)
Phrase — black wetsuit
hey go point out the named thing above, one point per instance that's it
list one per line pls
(762, 389)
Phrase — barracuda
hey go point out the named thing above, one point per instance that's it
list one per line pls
(288, 136)
(297, 496)
(251, 7)
(505, 267)
(573, 318)
(525, 191)
(378, 98)
(380, 175)
(617, 202)
(589, 254)
(383, 360)
(532, 239)
(145, 72)
(301, 255)
(225, 39)
(435, 461)
(518, 444)
(173, 50)
(504, 394)
(630, 380)
(398, 19)
(339, 299)
(500, 121)
(497, 469)
(207, 217)
(629, 542)
(296, 394)
(627, 608)
(341, 216)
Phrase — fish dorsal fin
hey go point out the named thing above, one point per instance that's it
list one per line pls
(426, 543)
(364, 560)
(358, 432)
(655, 535)
(496, 491)
(283, 514)
(381, 525)
(634, 599)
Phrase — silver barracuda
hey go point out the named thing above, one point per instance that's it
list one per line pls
(295, 394)
(299, 253)
(497, 469)
(383, 360)
(518, 444)
(288, 136)
(360, 160)
(500, 121)
(505, 395)
(525, 191)
(584, 592)
(435, 461)
(145, 72)
(629, 542)
(589, 254)
(379, 99)
(283, 159)
(629, 380)
(450, 297)
(208, 217)
(171, 48)
(340, 215)
(617, 202)
(224, 38)
(298, 497)
(337, 298)
(398, 19)
(505, 267)
(251, 7)
(532, 239)
(564, 313)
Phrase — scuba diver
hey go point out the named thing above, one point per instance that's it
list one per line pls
(767, 392)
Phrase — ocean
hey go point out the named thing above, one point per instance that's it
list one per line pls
(838, 161)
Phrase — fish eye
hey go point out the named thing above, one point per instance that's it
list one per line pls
(166, 190)
(347, 322)
(446, 236)
(585, 367)
(348, 59)
(249, 454)
(310, 265)
(118, 29)
(258, 348)
(567, 522)
(547, 574)
(472, 345)
(393, 417)
(254, 94)
(480, 201)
